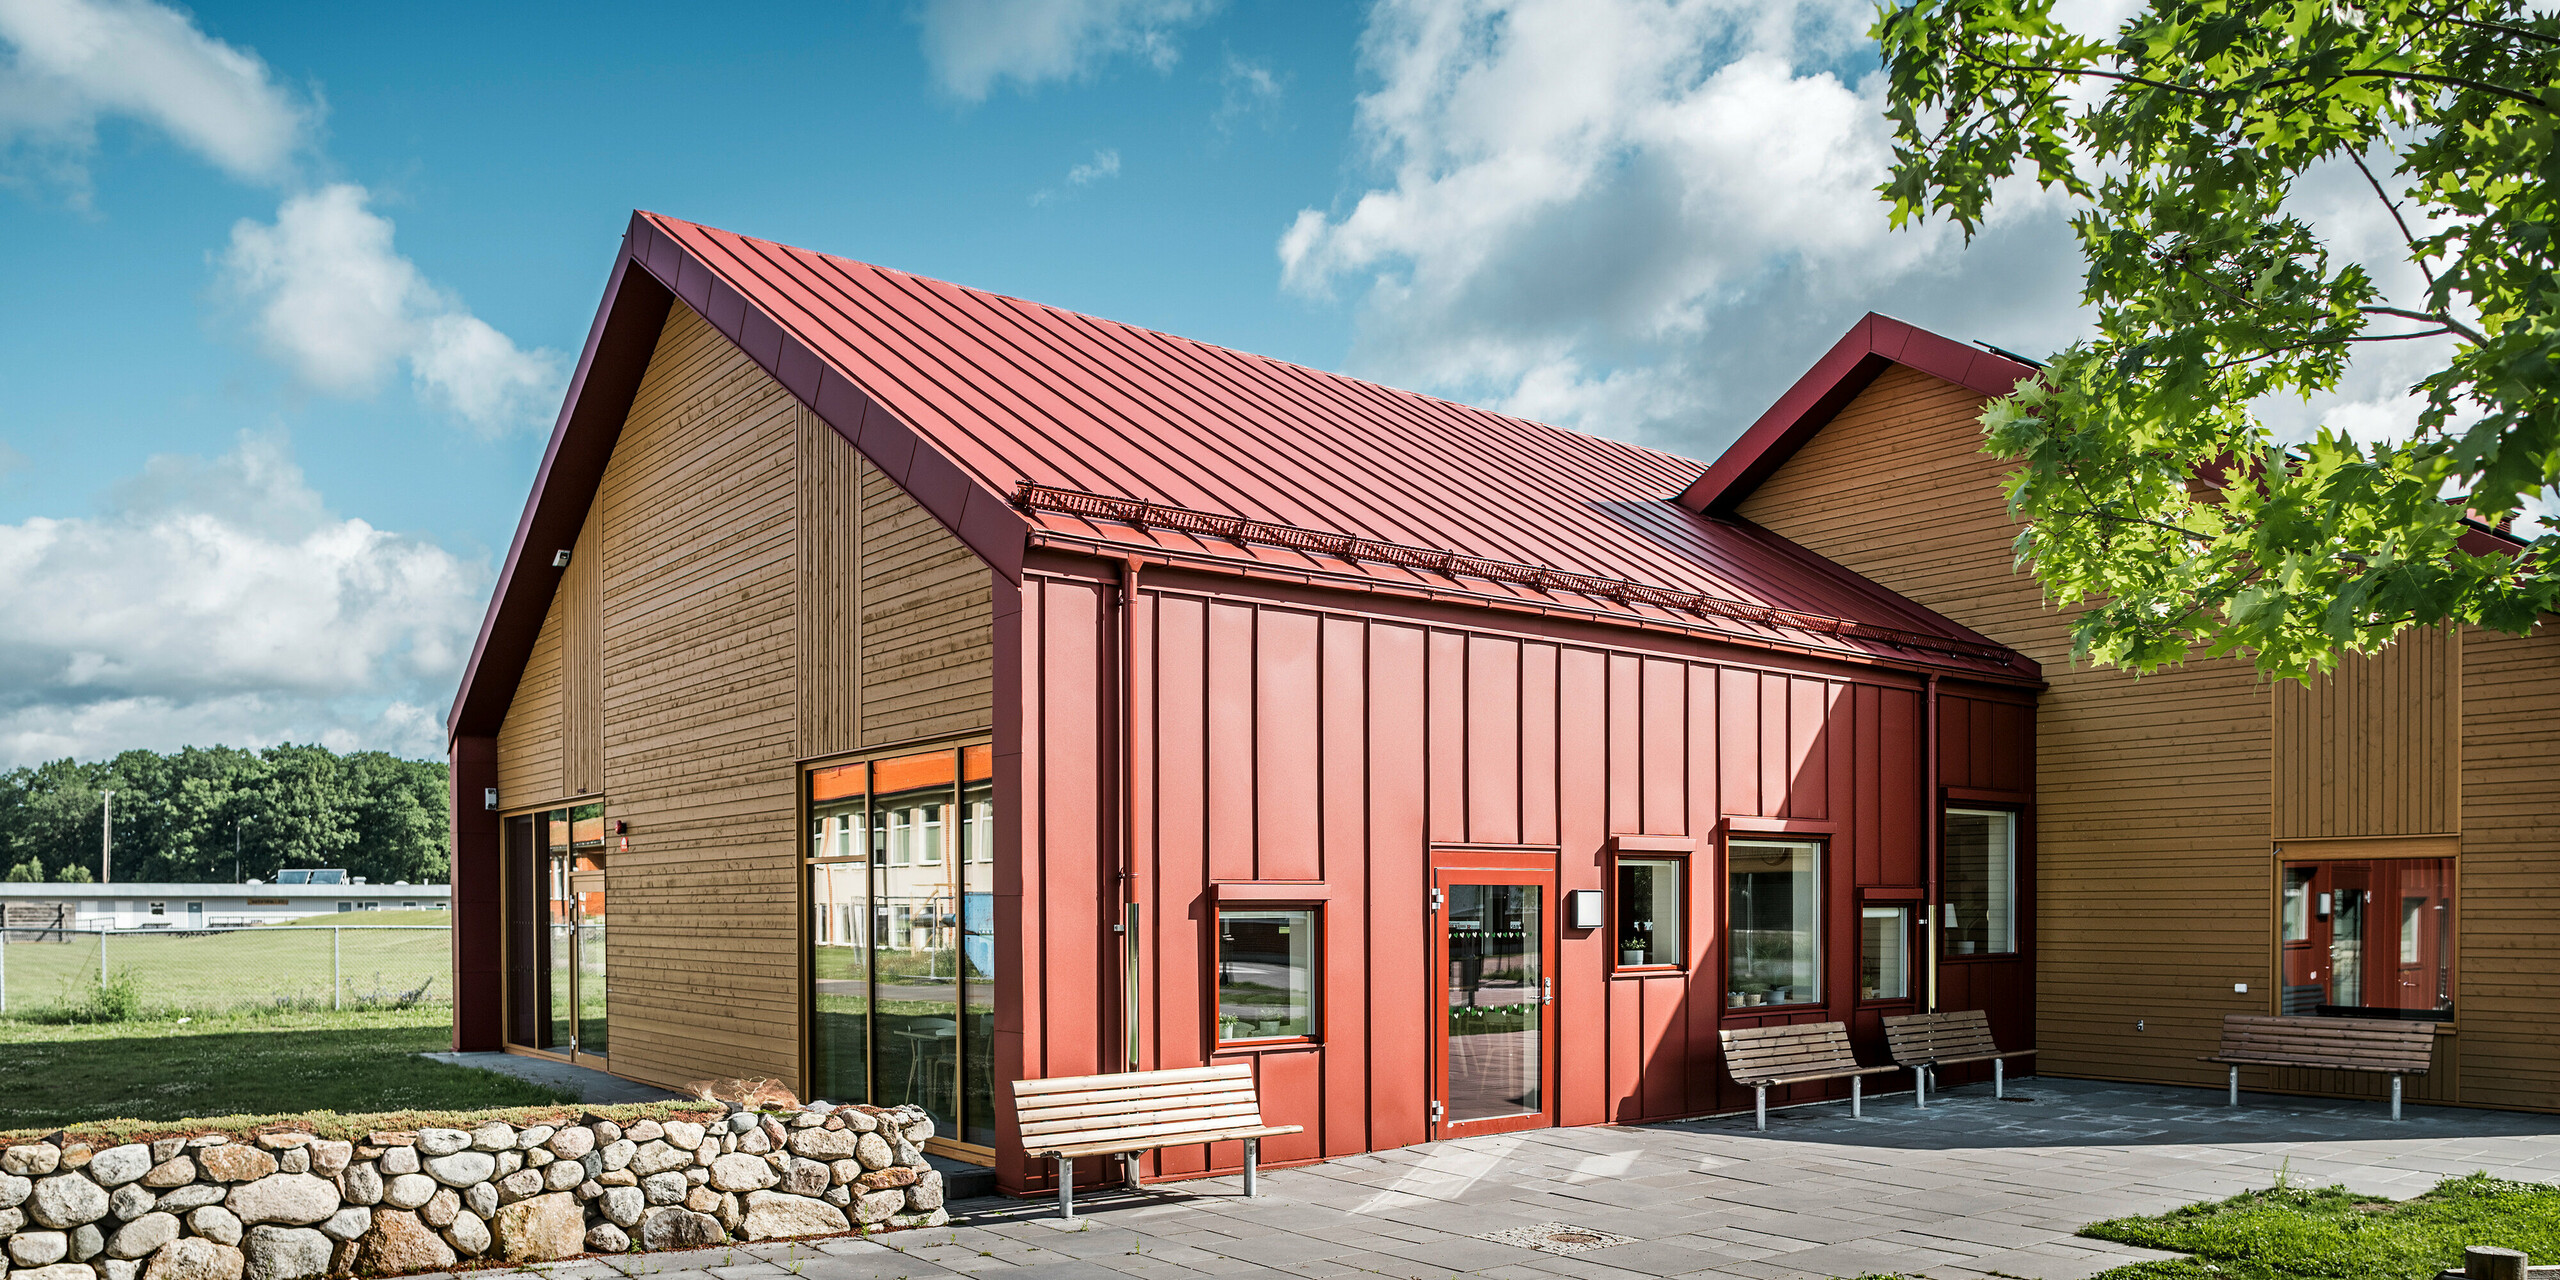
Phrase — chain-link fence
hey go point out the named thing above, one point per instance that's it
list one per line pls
(225, 970)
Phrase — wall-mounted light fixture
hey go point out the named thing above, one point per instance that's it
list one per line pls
(1585, 909)
(489, 799)
(560, 558)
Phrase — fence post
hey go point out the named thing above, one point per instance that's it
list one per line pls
(4, 959)
(102, 957)
(337, 981)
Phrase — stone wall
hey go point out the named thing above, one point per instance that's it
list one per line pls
(289, 1206)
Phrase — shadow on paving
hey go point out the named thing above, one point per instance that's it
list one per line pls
(2053, 1112)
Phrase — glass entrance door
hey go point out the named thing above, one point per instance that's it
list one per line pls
(1493, 939)
(555, 934)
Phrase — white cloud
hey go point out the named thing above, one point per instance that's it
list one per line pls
(76, 61)
(1644, 217)
(338, 305)
(1104, 164)
(975, 45)
(1248, 90)
(219, 600)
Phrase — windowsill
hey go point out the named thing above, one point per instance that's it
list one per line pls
(1959, 957)
(1266, 1046)
(1801, 1006)
(1646, 970)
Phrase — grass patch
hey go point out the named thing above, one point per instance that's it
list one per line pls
(2290, 1233)
(162, 1070)
(275, 967)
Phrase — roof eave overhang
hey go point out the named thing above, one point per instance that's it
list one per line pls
(1872, 345)
(652, 271)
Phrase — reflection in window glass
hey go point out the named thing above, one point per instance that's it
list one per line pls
(2297, 904)
(1774, 948)
(839, 963)
(1884, 953)
(1648, 911)
(977, 957)
(1979, 875)
(2368, 938)
(1266, 972)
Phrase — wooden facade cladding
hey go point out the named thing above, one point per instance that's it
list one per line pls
(2150, 843)
(1295, 745)
(2510, 868)
(746, 592)
(2374, 747)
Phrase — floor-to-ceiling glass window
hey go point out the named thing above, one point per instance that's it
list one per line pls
(902, 935)
(555, 930)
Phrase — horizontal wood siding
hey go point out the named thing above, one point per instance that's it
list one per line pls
(700, 705)
(2374, 747)
(2150, 837)
(530, 746)
(928, 645)
(2509, 947)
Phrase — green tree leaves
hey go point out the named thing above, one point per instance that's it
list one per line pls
(2150, 487)
(179, 817)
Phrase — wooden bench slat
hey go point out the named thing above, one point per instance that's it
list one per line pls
(1948, 1037)
(2378, 1045)
(1793, 1054)
(1177, 1075)
(1160, 1115)
(1106, 1148)
(1067, 1103)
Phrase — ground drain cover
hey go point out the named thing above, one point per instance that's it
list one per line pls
(1555, 1237)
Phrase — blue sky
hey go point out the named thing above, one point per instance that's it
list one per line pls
(294, 287)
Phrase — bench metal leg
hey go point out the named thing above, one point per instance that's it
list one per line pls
(1858, 1097)
(1999, 1078)
(2235, 1087)
(1129, 1170)
(1252, 1157)
(1920, 1084)
(1067, 1187)
(2395, 1097)
(1760, 1106)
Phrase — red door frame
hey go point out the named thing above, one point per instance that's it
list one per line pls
(1456, 865)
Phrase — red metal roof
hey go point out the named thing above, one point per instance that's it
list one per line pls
(967, 397)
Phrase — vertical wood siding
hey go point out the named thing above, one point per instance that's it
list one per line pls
(1316, 753)
(927, 651)
(2373, 748)
(581, 603)
(830, 554)
(2150, 828)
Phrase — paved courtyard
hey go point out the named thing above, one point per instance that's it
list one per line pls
(1972, 1187)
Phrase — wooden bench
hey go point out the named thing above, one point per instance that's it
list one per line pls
(1760, 1057)
(1925, 1042)
(1134, 1111)
(2388, 1046)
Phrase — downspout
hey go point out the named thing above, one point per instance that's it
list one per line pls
(1129, 916)
(1929, 834)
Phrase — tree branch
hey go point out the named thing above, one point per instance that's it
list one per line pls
(2417, 77)
(2388, 203)
(2429, 317)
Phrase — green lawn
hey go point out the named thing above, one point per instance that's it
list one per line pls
(2333, 1234)
(270, 967)
(161, 1069)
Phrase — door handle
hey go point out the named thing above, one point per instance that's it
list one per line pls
(1546, 991)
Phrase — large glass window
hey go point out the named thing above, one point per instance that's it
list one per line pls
(1979, 878)
(901, 870)
(555, 930)
(1884, 953)
(1266, 972)
(1774, 947)
(1648, 912)
(2368, 938)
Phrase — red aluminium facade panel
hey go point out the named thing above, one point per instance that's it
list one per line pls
(1321, 749)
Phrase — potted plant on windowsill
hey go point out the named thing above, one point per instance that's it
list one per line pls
(1631, 952)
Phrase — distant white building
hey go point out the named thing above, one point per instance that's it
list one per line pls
(150, 905)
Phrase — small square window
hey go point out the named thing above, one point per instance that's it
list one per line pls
(159, 908)
(1648, 912)
(1266, 973)
(1774, 946)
